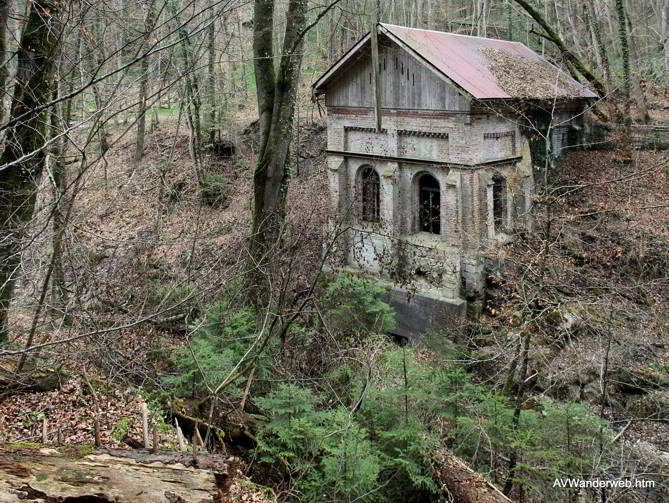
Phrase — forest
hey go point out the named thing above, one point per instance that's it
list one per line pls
(173, 327)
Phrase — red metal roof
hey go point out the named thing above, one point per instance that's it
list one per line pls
(459, 57)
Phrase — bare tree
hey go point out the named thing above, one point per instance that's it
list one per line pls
(665, 33)
(4, 14)
(211, 79)
(553, 36)
(625, 53)
(23, 159)
(276, 90)
(149, 22)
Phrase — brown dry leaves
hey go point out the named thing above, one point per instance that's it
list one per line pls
(73, 410)
(524, 78)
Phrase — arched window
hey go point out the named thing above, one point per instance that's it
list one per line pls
(429, 201)
(370, 193)
(498, 200)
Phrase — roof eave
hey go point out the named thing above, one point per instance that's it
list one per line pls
(530, 98)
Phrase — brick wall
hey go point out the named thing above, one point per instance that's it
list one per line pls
(439, 265)
(458, 138)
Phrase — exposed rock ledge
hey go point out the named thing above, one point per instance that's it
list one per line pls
(116, 476)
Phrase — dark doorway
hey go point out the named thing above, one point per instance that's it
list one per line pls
(498, 200)
(429, 204)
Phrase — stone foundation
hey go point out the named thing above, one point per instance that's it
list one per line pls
(416, 313)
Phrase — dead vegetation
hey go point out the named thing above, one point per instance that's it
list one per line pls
(511, 72)
(594, 269)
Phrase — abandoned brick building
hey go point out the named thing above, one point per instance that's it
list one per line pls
(427, 197)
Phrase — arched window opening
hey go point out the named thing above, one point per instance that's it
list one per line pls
(371, 194)
(498, 200)
(429, 211)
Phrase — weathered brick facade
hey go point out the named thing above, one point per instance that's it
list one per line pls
(448, 265)
(426, 199)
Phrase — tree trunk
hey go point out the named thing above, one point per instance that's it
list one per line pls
(665, 33)
(23, 159)
(276, 93)
(513, 458)
(149, 21)
(191, 95)
(99, 61)
(4, 74)
(596, 35)
(625, 54)
(637, 79)
(120, 475)
(462, 484)
(211, 74)
(60, 116)
(31, 380)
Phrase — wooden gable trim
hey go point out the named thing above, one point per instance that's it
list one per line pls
(364, 129)
(333, 70)
(497, 136)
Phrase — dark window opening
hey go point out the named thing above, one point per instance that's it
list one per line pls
(498, 200)
(371, 195)
(429, 204)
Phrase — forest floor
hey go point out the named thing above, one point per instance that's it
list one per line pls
(140, 240)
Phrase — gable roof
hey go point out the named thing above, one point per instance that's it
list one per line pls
(485, 68)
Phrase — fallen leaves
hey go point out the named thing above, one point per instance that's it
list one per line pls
(530, 79)
(72, 411)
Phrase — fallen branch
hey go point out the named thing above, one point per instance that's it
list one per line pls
(29, 380)
(123, 476)
(462, 484)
